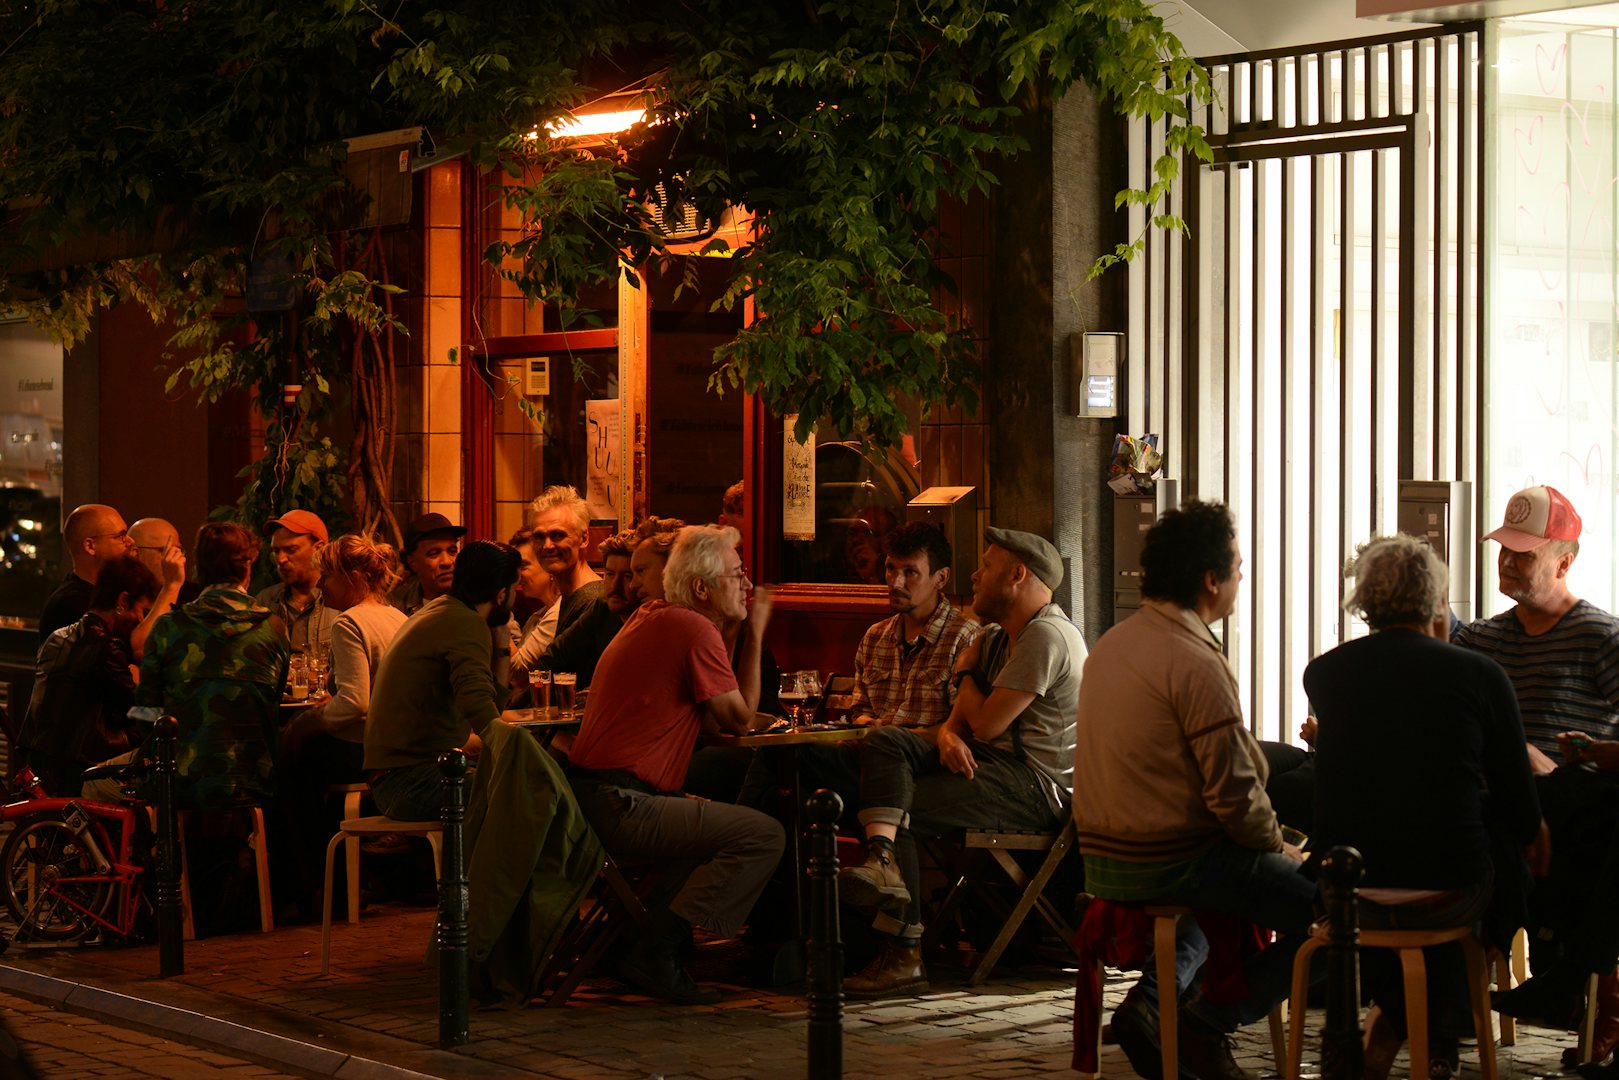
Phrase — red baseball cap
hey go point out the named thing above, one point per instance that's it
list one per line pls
(300, 522)
(1534, 516)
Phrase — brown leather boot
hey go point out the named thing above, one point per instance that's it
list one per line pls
(896, 972)
(1605, 1036)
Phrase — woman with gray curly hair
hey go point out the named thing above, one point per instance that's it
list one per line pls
(1420, 764)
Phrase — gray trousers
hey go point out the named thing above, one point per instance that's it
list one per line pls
(726, 853)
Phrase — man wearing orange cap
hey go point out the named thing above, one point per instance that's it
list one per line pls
(1562, 655)
(296, 537)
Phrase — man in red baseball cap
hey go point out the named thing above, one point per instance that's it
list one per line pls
(1562, 655)
(296, 537)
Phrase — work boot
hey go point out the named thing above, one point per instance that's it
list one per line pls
(1605, 1035)
(876, 884)
(1135, 1029)
(1207, 1054)
(655, 963)
(896, 972)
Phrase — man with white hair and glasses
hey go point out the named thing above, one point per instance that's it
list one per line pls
(665, 677)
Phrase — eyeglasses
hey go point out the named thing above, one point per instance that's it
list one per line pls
(121, 534)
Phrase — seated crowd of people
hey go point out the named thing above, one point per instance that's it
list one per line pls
(1476, 767)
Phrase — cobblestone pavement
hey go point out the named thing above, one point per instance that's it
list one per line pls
(62, 1044)
(380, 1004)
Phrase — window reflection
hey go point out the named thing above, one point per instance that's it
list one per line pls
(30, 469)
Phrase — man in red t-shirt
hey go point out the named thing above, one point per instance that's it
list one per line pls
(665, 677)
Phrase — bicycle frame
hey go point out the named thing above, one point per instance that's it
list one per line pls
(117, 863)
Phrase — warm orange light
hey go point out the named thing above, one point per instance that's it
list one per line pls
(601, 123)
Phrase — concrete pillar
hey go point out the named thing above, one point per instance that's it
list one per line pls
(1054, 215)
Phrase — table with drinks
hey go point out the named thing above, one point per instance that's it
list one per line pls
(307, 677)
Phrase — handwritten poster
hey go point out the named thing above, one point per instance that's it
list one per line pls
(601, 458)
(797, 483)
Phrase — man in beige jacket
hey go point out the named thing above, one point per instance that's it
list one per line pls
(1169, 789)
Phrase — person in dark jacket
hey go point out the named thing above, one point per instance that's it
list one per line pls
(83, 682)
(1421, 766)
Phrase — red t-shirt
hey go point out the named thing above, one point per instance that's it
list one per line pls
(644, 711)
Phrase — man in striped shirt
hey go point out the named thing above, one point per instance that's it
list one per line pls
(1561, 653)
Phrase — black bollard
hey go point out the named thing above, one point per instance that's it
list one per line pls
(1342, 1056)
(170, 916)
(453, 990)
(824, 968)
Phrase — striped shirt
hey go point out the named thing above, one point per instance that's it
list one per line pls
(910, 682)
(1567, 678)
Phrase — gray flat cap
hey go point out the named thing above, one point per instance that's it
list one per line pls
(1036, 552)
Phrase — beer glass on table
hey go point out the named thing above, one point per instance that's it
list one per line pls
(791, 696)
(298, 678)
(539, 683)
(564, 686)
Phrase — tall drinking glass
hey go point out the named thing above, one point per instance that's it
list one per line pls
(539, 683)
(564, 686)
(297, 678)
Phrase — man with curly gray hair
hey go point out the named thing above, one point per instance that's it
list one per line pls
(665, 677)
(1461, 770)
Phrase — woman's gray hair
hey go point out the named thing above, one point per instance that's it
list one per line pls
(563, 497)
(1398, 579)
(699, 553)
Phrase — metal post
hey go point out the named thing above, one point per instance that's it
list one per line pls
(170, 916)
(824, 973)
(452, 906)
(1342, 1056)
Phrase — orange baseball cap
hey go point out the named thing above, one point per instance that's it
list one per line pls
(1534, 516)
(301, 522)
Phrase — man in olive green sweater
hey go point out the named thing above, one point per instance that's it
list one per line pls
(435, 689)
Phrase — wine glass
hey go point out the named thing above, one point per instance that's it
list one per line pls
(791, 696)
(809, 683)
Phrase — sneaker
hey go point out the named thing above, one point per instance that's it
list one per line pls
(876, 884)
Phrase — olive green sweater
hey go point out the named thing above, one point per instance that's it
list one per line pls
(433, 688)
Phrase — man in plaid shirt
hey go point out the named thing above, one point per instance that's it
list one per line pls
(903, 667)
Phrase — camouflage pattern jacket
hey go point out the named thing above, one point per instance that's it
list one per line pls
(217, 665)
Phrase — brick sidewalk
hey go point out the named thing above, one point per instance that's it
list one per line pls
(380, 1004)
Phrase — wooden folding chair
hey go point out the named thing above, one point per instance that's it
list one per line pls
(982, 848)
(614, 909)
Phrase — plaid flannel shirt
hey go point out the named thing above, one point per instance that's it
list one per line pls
(910, 683)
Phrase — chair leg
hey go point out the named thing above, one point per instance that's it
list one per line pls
(1478, 985)
(1278, 1040)
(1588, 1024)
(261, 862)
(188, 929)
(1415, 966)
(436, 842)
(326, 906)
(1163, 945)
(1298, 1008)
(1503, 981)
(351, 856)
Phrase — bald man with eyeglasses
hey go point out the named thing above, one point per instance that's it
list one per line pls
(95, 535)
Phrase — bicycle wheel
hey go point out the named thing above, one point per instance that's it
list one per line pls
(38, 854)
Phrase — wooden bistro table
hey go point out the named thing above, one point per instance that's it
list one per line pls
(788, 780)
(543, 724)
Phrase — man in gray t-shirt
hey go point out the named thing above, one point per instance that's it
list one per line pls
(1003, 759)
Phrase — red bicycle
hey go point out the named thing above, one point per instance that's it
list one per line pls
(72, 866)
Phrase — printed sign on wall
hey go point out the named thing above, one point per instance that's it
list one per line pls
(797, 483)
(601, 458)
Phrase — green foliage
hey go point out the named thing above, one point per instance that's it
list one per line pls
(840, 124)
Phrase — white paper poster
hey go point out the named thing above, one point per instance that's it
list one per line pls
(797, 483)
(601, 458)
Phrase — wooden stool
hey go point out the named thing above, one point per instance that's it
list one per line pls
(1164, 921)
(261, 865)
(352, 794)
(1409, 944)
(355, 828)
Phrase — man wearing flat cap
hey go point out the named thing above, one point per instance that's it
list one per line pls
(296, 538)
(1004, 757)
(431, 544)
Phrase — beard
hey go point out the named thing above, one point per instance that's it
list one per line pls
(500, 614)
